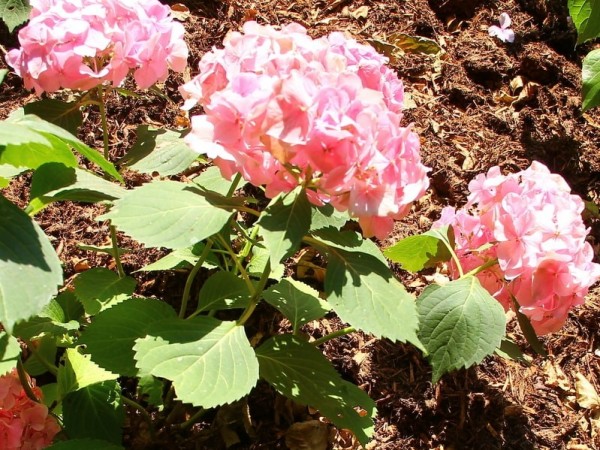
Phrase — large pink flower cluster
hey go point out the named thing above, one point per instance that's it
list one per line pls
(284, 110)
(79, 44)
(530, 225)
(24, 424)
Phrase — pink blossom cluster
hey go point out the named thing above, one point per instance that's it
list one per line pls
(284, 110)
(24, 424)
(528, 226)
(80, 44)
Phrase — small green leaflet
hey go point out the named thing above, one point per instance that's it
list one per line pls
(14, 12)
(586, 18)
(99, 288)
(461, 323)
(167, 214)
(10, 351)
(300, 371)
(591, 80)
(297, 301)
(78, 372)
(210, 362)
(415, 253)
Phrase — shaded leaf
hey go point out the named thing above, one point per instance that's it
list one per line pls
(223, 290)
(66, 115)
(591, 80)
(14, 12)
(100, 288)
(10, 351)
(78, 372)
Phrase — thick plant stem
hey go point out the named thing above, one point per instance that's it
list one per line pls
(190, 279)
(193, 419)
(255, 296)
(486, 265)
(455, 258)
(23, 378)
(116, 255)
(335, 334)
(142, 412)
(234, 184)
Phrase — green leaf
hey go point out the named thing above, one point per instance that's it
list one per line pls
(159, 150)
(284, 223)
(10, 351)
(46, 348)
(349, 241)
(591, 80)
(586, 18)
(7, 172)
(78, 372)
(43, 128)
(182, 258)
(327, 216)
(461, 323)
(510, 350)
(151, 389)
(3, 73)
(209, 362)
(95, 412)
(212, 180)
(528, 332)
(363, 292)
(300, 372)
(53, 182)
(297, 301)
(167, 214)
(87, 444)
(111, 335)
(415, 253)
(30, 271)
(259, 261)
(100, 288)
(66, 115)
(223, 290)
(14, 12)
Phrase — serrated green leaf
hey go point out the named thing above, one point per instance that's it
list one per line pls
(159, 150)
(78, 372)
(151, 389)
(53, 182)
(182, 258)
(586, 18)
(297, 301)
(46, 349)
(66, 115)
(111, 335)
(26, 255)
(258, 263)
(461, 323)
(210, 362)
(363, 292)
(14, 12)
(284, 223)
(327, 216)
(87, 444)
(591, 80)
(10, 351)
(349, 241)
(212, 180)
(100, 288)
(300, 372)
(223, 290)
(415, 253)
(96, 412)
(167, 214)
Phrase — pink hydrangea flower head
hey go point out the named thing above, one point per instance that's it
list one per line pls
(80, 44)
(285, 109)
(530, 223)
(24, 424)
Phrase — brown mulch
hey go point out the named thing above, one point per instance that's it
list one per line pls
(467, 123)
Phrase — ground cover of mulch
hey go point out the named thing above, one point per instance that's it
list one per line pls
(478, 104)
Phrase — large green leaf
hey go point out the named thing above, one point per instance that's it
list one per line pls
(30, 271)
(159, 150)
(54, 182)
(167, 214)
(461, 323)
(66, 115)
(297, 301)
(223, 290)
(111, 335)
(210, 362)
(326, 216)
(78, 372)
(300, 372)
(284, 223)
(415, 253)
(10, 351)
(14, 12)
(363, 292)
(586, 18)
(95, 412)
(591, 80)
(87, 444)
(100, 288)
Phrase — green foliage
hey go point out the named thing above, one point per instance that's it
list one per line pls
(182, 258)
(14, 12)
(46, 351)
(591, 80)
(300, 372)
(415, 253)
(461, 323)
(10, 351)
(223, 290)
(78, 372)
(100, 288)
(586, 18)
(167, 214)
(209, 362)
(25, 255)
(66, 115)
(159, 151)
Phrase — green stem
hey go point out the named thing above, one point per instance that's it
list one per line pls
(238, 265)
(192, 275)
(193, 419)
(335, 334)
(116, 255)
(486, 265)
(47, 364)
(455, 258)
(102, 108)
(143, 413)
(234, 184)
(255, 296)
(24, 379)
